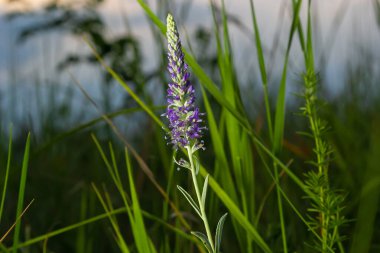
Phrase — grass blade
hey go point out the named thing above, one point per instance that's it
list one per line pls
(146, 244)
(263, 71)
(21, 192)
(280, 105)
(108, 208)
(6, 173)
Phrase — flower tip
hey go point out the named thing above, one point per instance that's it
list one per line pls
(169, 19)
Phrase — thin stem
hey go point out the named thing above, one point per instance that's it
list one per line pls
(315, 128)
(280, 210)
(201, 206)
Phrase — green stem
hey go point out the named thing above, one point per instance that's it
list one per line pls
(280, 210)
(315, 128)
(201, 206)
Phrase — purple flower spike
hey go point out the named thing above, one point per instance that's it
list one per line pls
(183, 115)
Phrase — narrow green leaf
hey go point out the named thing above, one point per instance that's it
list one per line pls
(220, 154)
(190, 200)
(280, 104)
(6, 173)
(142, 235)
(204, 191)
(219, 232)
(81, 241)
(263, 71)
(21, 192)
(203, 239)
(105, 159)
(109, 209)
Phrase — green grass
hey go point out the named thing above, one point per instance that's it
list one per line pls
(100, 189)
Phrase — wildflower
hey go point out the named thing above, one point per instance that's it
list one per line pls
(186, 132)
(182, 113)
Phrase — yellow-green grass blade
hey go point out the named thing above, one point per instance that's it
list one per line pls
(6, 173)
(300, 32)
(80, 244)
(115, 167)
(146, 243)
(263, 71)
(217, 143)
(280, 104)
(21, 192)
(105, 159)
(248, 173)
(247, 181)
(309, 43)
(108, 209)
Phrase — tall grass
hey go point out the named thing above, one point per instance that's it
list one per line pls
(21, 208)
(282, 195)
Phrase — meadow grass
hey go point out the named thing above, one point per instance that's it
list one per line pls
(280, 197)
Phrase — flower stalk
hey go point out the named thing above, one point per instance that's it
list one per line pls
(186, 132)
(201, 205)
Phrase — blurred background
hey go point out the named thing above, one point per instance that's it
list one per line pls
(44, 51)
